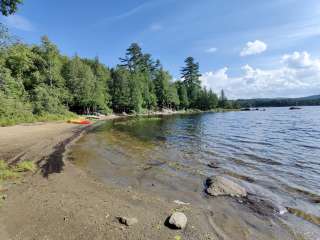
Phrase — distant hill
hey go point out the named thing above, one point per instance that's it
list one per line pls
(313, 100)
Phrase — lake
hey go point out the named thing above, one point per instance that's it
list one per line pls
(273, 153)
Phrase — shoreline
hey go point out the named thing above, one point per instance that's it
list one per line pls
(65, 197)
(71, 203)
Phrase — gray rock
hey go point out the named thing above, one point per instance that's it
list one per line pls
(178, 220)
(128, 221)
(222, 186)
(266, 206)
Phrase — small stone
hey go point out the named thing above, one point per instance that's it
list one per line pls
(128, 221)
(178, 220)
(180, 202)
(4, 197)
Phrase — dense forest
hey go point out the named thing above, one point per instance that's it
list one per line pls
(280, 102)
(38, 81)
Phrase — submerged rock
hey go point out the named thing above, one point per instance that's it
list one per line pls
(222, 186)
(178, 220)
(128, 221)
(266, 206)
(213, 165)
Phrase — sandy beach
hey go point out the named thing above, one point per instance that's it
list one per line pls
(63, 202)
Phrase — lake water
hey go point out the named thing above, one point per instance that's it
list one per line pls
(274, 153)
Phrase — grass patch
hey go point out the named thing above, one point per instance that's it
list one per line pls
(26, 166)
(14, 172)
(14, 120)
(7, 173)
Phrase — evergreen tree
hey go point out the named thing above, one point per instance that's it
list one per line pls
(8, 7)
(183, 95)
(162, 88)
(136, 99)
(191, 78)
(133, 59)
(212, 100)
(223, 101)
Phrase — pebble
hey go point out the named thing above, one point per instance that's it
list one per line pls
(178, 220)
(128, 221)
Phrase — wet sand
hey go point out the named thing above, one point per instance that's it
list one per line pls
(62, 201)
(66, 203)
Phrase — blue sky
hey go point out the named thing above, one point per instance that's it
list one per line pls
(251, 48)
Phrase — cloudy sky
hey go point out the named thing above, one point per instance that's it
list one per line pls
(250, 48)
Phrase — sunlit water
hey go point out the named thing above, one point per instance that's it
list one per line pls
(274, 153)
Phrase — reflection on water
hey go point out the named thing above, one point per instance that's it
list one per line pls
(275, 153)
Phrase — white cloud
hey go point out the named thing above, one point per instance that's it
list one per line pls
(297, 75)
(19, 22)
(298, 60)
(211, 50)
(253, 48)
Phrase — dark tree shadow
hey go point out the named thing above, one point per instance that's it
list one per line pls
(54, 162)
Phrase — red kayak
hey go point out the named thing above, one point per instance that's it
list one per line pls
(82, 122)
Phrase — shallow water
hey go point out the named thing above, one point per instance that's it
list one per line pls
(274, 153)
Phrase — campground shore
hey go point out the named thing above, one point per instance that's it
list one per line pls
(61, 201)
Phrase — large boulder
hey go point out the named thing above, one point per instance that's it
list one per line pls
(178, 220)
(222, 186)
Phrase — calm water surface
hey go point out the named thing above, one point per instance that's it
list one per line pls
(275, 153)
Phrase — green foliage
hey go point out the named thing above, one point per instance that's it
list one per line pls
(45, 99)
(37, 83)
(26, 166)
(162, 85)
(120, 90)
(183, 95)
(7, 173)
(14, 111)
(173, 97)
(13, 172)
(8, 7)
(191, 79)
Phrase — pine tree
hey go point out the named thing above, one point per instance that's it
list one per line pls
(223, 101)
(191, 78)
(8, 7)
(133, 59)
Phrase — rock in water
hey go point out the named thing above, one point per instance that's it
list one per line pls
(222, 186)
(178, 220)
(213, 165)
(128, 221)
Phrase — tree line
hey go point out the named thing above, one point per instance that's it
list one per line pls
(279, 102)
(39, 80)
